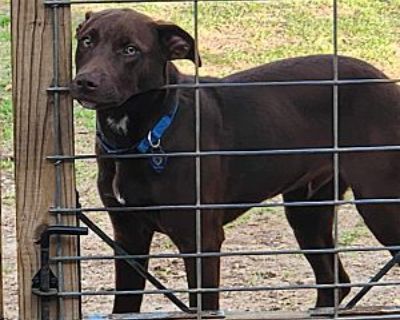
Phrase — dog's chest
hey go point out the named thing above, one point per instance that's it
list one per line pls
(131, 185)
(136, 183)
(118, 125)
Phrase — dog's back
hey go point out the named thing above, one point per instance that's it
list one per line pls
(289, 109)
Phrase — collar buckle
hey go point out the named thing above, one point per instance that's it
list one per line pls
(153, 145)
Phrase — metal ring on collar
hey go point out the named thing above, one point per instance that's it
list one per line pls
(153, 145)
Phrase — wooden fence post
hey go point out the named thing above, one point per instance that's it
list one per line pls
(32, 49)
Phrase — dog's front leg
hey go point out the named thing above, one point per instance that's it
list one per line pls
(212, 238)
(131, 232)
(210, 279)
(133, 235)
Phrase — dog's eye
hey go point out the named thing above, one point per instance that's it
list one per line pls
(87, 41)
(130, 50)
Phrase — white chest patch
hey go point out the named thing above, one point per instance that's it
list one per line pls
(117, 194)
(115, 185)
(119, 198)
(120, 126)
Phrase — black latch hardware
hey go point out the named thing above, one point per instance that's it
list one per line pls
(45, 283)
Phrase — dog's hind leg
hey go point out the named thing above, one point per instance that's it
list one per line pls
(383, 220)
(312, 226)
(377, 176)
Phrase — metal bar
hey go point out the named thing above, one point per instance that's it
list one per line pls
(249, 315)
(133, 263)
(371, 317)
(359, 313)
(386, 268)
(161, 315)
(335, 128)
(58, 164)
(232, 153)
(200, 85)
(226, 254)
(224, 206)
(199, 273)
(74, 2)
(383, 313)
(230, 289)
(79, 267)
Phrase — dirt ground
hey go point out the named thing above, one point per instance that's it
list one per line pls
(257, 230)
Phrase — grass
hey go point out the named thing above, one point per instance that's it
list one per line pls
(251, 214)
(352, 236)
(5, 80)
(237, 35)
(234, 36)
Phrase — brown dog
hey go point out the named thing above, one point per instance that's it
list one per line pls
(124, 57)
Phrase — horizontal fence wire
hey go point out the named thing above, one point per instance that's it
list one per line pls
(226, 84)
(369, 317)
(224, 206)
(231, 289)
(74, 2)
(230, 153)
(227, 254)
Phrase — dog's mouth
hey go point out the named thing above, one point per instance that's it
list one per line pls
(97, 101)
(97, 106)
(88, 104)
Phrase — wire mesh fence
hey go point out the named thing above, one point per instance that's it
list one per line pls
(335, 151)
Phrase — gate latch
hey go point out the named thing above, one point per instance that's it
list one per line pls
(45, 283)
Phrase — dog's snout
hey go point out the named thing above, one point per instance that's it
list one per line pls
(87, 82)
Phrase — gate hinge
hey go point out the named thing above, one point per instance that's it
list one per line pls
(37, 281)
(45, 283)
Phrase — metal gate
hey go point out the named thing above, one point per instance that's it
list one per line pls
(48, 286)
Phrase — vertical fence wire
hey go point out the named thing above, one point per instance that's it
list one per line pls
(57, 149)
(199, 271)
(336, 173)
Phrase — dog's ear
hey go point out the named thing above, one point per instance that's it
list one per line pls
(88, 14)
(176, 42)
(87, 17)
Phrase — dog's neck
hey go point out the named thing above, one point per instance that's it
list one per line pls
(126, 125)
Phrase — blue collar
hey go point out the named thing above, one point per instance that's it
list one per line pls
(153, 139)
(150, 143)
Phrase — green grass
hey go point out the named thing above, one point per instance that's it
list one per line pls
(253, 214)
(353, 236)
(5, 81)
(237, 35)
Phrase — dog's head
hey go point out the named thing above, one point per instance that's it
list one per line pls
(122, 53)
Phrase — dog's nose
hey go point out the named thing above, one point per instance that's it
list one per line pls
(86, 82)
